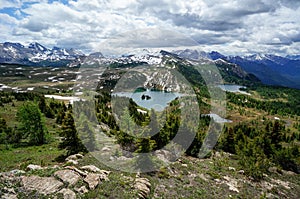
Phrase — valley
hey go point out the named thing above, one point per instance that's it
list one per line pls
(255, 154)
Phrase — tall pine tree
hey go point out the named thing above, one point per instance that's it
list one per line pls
(71, 141)
(32, 123)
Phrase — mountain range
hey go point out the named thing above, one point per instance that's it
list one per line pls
(269, 69)
(36, 54)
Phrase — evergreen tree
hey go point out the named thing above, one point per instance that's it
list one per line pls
(276, 135)
(153, 123)
(227, 143)
(71, 141)
(145, 145)
(3, 131)
(87, 136)
(127, 123)
(32, 123)
(60, 116)
(45, 108)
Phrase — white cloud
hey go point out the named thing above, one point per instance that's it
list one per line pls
(8, 4)
(7, 19)
(230, 26)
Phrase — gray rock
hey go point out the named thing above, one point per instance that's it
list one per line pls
(17, 172)
(9, 190)
(106, 149)
(32, 167)
(68, 194)
(273, 170)
(43, 185)
(204, 177)
(143, 186)
(82, 173)
(90, 168)
(241, 172)
(102, 174)
(74, 157)
(92, 179)
(164, 155)
(74, 162)
(9, 196)
(81, 190)
(231, 168)
(288, 172)
(67, 176)
(232, 183)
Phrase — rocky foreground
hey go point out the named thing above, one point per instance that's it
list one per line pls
(66, 182)
(188, 177)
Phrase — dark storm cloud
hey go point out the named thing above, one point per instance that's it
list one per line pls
(198, 22)
(294, 4)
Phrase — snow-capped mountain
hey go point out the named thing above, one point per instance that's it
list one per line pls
(270, 69)
(137, 57)
(293, 57)
(191, 54)
(36, 54)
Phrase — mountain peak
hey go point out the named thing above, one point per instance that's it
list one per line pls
(18, 45)
(96, 55)
(191, 54)
(214, 55)
(37, 46)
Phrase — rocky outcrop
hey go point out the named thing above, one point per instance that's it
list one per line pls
(43, 185)
(63, 183)
(143, 186)
(68, 177)
(92, 180)
(81, 190)
(67, 194)
(9, 196)
(82, 173)
(73, 159)
(90, 168)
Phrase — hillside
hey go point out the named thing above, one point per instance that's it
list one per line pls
(269, 69)
(255, 154)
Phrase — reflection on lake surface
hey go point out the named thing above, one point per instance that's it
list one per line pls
(156, 100)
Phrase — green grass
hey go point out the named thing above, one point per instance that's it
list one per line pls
(20, 157)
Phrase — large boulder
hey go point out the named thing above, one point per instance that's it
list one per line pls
(82, 173)
(67, 194)
(43, 185)
(103, 174)
(92, 179)
(67, 176)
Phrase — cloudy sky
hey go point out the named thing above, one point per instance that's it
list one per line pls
(228, 26)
